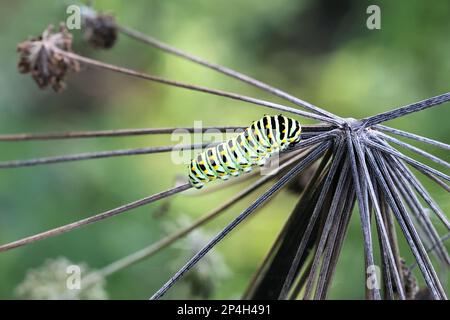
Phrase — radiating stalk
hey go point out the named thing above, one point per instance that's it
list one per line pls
(265, 284)
(311, 223)
(100, 155)
(364, 215)
(335, 240)
(362, 153)
(416, 164)
(413, 136)
(414, 149)
(154, 248)
(113, 133)
(343, 227)
(387, 185)
(419, 188)
(230, 95)
(92, 219)
(331, 218)
(278, 185)
(403, 111)
(416, 207)
(307, 130)
(227, 71)
(391, 231)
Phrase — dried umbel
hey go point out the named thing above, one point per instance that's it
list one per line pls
(100, 29)
(42, 58)
(358, 166)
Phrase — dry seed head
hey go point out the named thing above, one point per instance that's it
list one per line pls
(46, 65)
(100, 29)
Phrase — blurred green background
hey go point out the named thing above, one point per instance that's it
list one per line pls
(320, 51)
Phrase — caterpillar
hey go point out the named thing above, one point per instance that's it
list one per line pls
(254, 146)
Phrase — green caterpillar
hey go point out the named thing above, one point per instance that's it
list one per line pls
(252, 147)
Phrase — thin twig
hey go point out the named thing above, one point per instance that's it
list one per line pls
(418, 165)
(410, 233)
(221, 93)
(403, 111)
(391, 230)
(423, 153)
(330, 219)
(343, 227)
(100, 154)
(335, 240)
(361, 151)
(419, 187)
(306, 131)
(413, 136)
(379, 218)
(154, 248)
(317, 209)
(432, 248)
(414, 149)
(277, 261)
(111, 133)
(92, 219)
(314, 140)
(414, 204)
(227, 71)
(363, 212)
(406, 224)
(392, 236)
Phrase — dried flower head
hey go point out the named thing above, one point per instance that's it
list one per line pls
(40, 57)
(100, 29)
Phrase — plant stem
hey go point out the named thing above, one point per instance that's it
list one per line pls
(227, 71)
(99, 155)
(405, 110)
(109, 133)
(92, 219)
(225, 94)
(278, 185)
(413, 136)
(154, 248)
